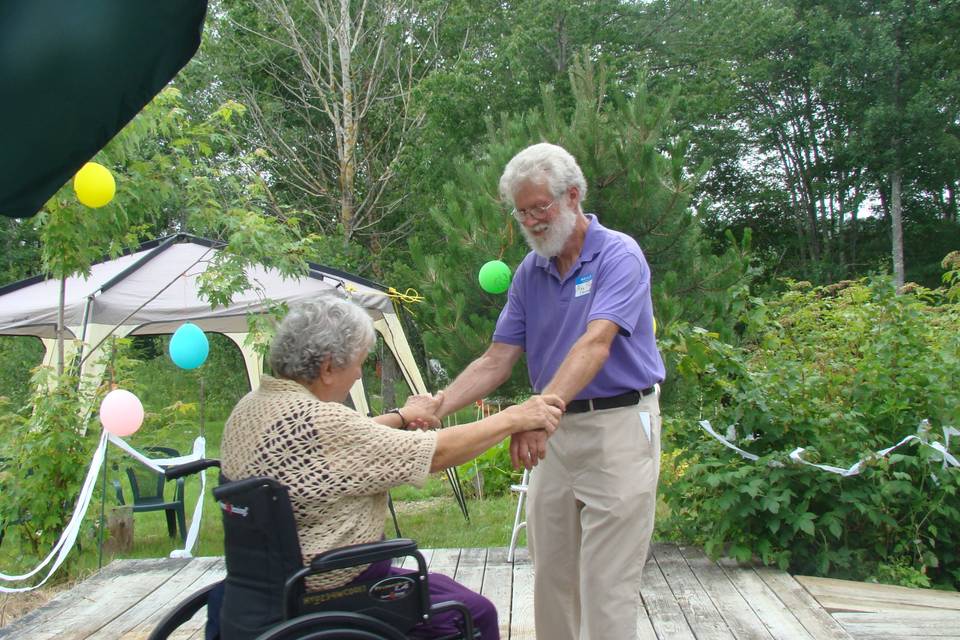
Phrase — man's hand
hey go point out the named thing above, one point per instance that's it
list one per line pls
(541, 415)
(420, 411)
(527, 448)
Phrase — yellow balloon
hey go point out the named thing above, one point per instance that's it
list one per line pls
(94, 185)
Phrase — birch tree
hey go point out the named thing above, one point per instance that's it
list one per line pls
(330, 85)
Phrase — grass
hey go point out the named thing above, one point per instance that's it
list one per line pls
(435, 521)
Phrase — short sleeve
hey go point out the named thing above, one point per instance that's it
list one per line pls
(622, 287)
(366, 458)
(512, 324)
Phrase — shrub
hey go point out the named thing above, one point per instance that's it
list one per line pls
(843, 371)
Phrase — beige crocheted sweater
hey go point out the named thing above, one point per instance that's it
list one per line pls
(336, 463)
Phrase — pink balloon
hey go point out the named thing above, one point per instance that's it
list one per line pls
(121, 413)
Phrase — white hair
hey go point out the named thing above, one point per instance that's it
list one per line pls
(546, 163)
(329, 328)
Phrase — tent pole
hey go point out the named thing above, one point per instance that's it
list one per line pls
(202, 408)
(83, 337)
(103, 501)
(63, 302)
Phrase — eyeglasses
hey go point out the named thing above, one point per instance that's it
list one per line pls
(533, 212)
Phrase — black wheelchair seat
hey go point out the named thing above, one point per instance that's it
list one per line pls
(264, 596)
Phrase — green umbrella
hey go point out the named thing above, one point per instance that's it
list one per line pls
(72, 74)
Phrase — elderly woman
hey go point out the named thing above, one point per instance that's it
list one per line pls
(337, 464)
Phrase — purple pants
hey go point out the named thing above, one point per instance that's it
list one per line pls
(443, 588)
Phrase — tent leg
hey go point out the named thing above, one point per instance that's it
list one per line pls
(458, 491)
(393, 514)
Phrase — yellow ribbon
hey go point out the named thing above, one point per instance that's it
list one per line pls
(409, 296)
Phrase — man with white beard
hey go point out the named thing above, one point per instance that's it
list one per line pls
(579, 306)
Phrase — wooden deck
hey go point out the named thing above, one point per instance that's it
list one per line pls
(685, 596)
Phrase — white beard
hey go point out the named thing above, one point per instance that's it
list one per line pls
(557, 233)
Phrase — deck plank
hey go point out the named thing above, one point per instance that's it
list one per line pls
(776, 617)
(521, 613)
(445, 561)
(97, 601)
(148, 611)
(215, 572)
(662, 608)
(845, 595)
(903, 624)
(498, 586)
(470, 568)
(811, 615)
(685, 596)
(739, 616)
(701, 614)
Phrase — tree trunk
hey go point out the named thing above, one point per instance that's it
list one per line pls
(348, 167)
(60, 327)
(896, 220)
(390, 373)
(950, 213)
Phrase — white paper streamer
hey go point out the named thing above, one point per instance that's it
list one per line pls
(705, 424)
(69, 536)
(797, 454)
(199, 451)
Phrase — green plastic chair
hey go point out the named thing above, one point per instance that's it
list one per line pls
(147, 487)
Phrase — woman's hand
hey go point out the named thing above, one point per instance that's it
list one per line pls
(539, 412)
(420, 411)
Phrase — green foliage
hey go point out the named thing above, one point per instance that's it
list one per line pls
(158, 382)
(20, 354)
(48, 457)
(951, 277)
(842, 371)
(491, 473)
(637, 183)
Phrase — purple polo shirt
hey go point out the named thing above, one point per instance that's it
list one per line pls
(546, 314)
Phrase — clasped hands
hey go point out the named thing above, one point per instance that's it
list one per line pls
(539, 416)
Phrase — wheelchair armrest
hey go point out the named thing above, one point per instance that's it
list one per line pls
(232, 488)
(187, 468)
(351, 556)
(367, 553)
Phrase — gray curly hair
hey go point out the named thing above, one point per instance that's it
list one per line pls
(329, 328)
(544, 162)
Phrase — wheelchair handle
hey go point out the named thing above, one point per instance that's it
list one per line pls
(189, 468)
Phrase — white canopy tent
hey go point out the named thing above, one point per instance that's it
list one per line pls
(155, 289)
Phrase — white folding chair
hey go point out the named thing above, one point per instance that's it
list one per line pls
(518, 526)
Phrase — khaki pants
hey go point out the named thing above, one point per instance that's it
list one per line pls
(590, 512)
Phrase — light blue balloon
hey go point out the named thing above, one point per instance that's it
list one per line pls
(189, 346)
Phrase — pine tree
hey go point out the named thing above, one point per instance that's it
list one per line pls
(637, 182)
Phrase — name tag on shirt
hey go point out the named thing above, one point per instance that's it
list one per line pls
(583, 285)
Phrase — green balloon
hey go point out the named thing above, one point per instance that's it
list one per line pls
(495, 277)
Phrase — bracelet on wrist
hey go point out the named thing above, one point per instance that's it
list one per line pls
(403, 421)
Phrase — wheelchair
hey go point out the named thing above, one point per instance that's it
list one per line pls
(264, 596)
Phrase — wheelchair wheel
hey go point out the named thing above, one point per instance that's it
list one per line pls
(333, 626)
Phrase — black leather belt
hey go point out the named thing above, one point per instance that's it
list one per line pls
(596, 404)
